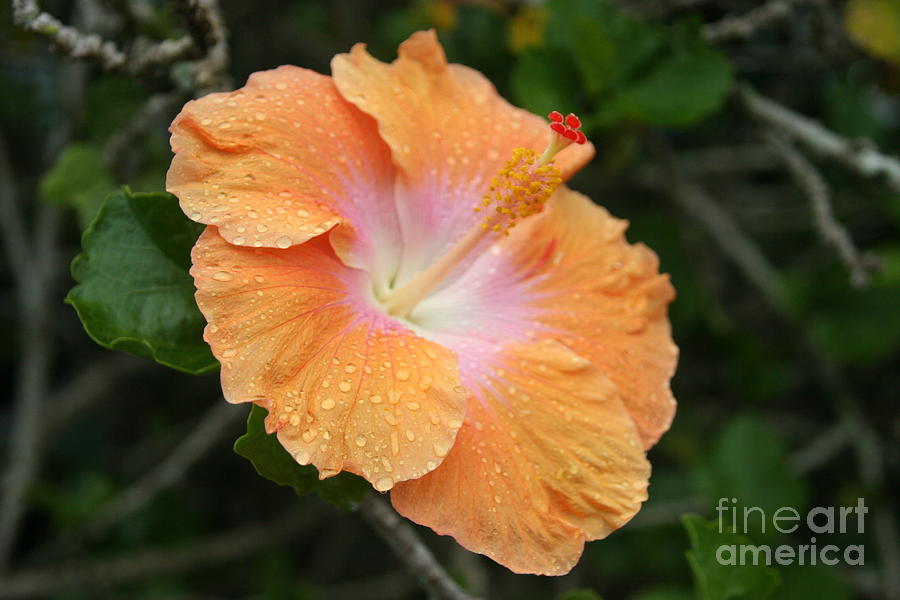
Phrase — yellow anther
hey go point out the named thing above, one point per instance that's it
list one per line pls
(520, 190)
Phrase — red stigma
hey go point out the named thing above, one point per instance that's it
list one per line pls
(568, 127)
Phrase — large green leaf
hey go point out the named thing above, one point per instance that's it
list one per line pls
(134, 291)
(717, 581)
(635, 71)
(273, 462)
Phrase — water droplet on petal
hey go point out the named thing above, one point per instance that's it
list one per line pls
(442, 447)
(403, 374)
(223, 276)
(284, 242)
(384, 484)
(360, 440)
(327, 404)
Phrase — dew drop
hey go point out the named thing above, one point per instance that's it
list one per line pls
(384, 484)
(344, 386)
(284, 242)
(223, 276)
(403, 374)
(327, 404)
(360, 440)
(228, 353)
(441, 447)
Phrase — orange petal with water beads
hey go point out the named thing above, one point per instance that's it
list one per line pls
(569, 274)
(347, 388)
(547, 459)
(282, 160)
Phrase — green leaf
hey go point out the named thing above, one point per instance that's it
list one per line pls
(273, 462)
(579, 595)
(543, 80)
(689, 81)
(665, 593)
(134, 291)
(636, 71)
(749, 462)
(716, 581)
(78, 180)
(811, 582)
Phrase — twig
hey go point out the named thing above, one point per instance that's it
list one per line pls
(118, 148)
(401, 537)
(831, 232)
(207, 28)
(28, 15)
(741, 27)
(861, 156)
(821, 450)
(213, 424)
(31, 267)
(86, 387)
(697, 202)
(146, 564)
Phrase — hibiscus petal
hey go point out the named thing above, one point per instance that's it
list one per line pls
(347, 388)
(450, 133)
(282, 160)
(569, 274)
(548, 458)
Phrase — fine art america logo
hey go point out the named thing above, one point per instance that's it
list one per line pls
(820, 520)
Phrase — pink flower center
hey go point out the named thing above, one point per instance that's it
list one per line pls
(520, 189)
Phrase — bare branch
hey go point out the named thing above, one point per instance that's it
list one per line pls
(118, 148)
(417, 558)
(213, 424)
(831, 232)
(86, 387)
(146, 564)
(822, 449)
(207, 27)
(741, 27)
(733, 240)
(143, 56)
(31, 266)
(860, 156)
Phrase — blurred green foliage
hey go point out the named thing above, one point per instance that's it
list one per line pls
(716, 581)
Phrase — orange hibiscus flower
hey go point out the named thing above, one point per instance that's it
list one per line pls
(502, 370)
